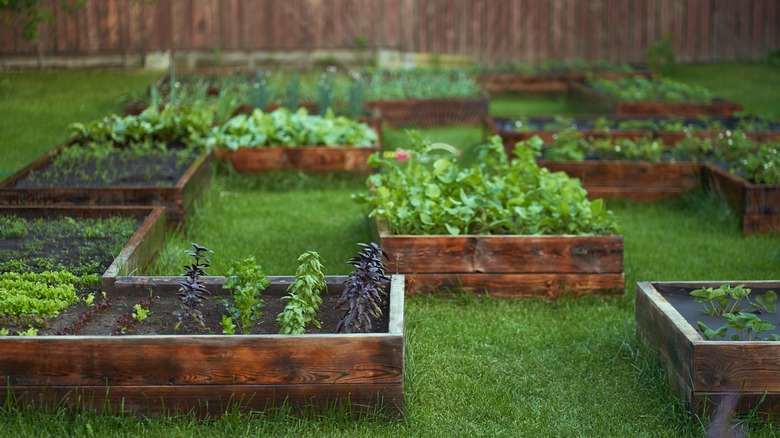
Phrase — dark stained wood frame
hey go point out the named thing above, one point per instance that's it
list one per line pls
(177, 199)
(431, 112)
(135, 256)
(636, 181)
(546, 82)
(506, 266)
(304, 158)
(758, 204)
(209, 374)
(704, 373)
(580, 92)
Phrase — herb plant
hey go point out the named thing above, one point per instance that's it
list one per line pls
(420, 84)
(363, 290)
(246, 280)
(432, 194)
(303, 299)
(192, 288)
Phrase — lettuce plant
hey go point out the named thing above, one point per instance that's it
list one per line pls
(363, 290)
(192, 288)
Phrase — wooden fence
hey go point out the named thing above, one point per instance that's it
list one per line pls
(491, 31)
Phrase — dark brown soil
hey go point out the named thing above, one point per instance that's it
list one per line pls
(165, 308)
(119, 169)
(680, 299)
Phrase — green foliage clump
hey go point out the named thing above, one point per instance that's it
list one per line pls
(641, 89)
(246, 280)
(726, 301)
(427, 194)
(571, 145)
(173, 126)
(44, 294)
(420, 84)
(303, 300)
(282, 127)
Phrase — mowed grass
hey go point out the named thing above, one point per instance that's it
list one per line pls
(36, 108)
(474, 365)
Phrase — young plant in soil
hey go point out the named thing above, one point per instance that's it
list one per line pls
(192, 288)
(363, 290)
(727, 301)
(246, 280)
(303, 300)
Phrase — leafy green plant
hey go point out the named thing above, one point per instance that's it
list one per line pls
(228, 327)
(742, 319)
(640, 89)
(363, 290)
(660, 55)
(192, 288)
(246, 280)
(303, 299)
(140, 313)
(44, 294)
(284, 128)
(420, 84)
(432, 194)
(728, 299)
(173, 126)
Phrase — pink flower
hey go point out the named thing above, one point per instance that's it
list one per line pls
(402, 155)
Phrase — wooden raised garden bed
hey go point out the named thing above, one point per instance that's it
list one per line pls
(431, 112)
(210, 374)
(580, 92)
(505, 128)
(304, 158)
(136, 254)
(758, 204)
(178, 199)
(705, 373)
(546, 82)
(638, 181)
(506, 266)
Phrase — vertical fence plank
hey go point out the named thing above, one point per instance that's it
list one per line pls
(493, 31)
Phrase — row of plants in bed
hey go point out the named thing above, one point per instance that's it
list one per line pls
(507, 226)
(744, 171)
(348, 349)
(407, 97)
(669, 129)
(650, 96)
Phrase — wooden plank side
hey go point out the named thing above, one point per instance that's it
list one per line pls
(624, 174)
(215, 400)
(202, 360)
(736, 366)
(658, 331)
(411, 254)
(548, 254)
(550, 286)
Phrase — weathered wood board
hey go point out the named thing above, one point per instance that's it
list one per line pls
(758, 204)
(704, 374)
(209, 374)
(177, 199)
(506, 266)
(135, 256)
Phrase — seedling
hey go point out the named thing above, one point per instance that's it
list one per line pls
(743, 320)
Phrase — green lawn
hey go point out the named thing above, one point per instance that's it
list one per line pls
(475, 365)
